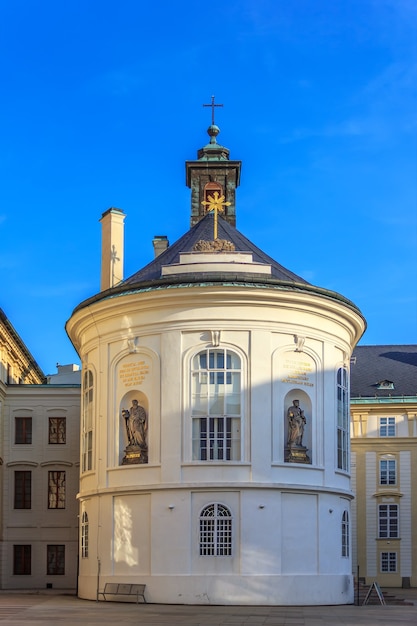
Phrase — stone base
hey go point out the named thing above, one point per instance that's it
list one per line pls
(297, 454)
(134, 456)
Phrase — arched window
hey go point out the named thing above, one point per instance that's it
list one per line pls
(84, 535)
(87, 422)
(345, 533)
(215, 531)
(216, 405)
(342, 419)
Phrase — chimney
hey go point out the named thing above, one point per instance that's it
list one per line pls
(160, 244)
(112, 248)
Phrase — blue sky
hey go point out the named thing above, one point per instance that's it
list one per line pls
(102, 104)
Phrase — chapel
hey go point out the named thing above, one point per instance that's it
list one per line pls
(215, 416)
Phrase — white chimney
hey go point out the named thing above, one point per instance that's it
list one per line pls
(112, 248)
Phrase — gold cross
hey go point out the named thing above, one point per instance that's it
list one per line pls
(215, 203)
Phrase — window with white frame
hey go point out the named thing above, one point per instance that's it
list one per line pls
(216, 405)
(387, 471)
(388, 562)
(215, 531)
(387, 427)
(342, 419)
(388, 521)
(84, 536)
(87, 422)
(345, 534)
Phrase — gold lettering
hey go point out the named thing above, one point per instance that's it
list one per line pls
(133, 373)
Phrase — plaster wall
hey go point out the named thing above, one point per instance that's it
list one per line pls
(141, 346)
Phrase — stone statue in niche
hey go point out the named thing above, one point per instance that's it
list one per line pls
(295, 452)
(136, 422)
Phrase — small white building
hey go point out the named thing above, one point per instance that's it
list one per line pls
(201, 474)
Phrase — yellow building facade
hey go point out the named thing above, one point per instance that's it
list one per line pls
(384, 464)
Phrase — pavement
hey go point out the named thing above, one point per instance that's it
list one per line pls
(65, 609)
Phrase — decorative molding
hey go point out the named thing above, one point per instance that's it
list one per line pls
(16, 463)
(133, 345)
(46, 463)
(215, 245)
(299, 343)
(215, 338)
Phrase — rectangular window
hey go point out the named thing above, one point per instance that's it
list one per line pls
(56, 490)
(23, 430)
(216, 439)
(87, 423)
(387, 472)
(23, 490)
(388, 521)
(387, 426)
(57, 430)
(216, 406)
(55, 560)
(22, 560)
(343, 419)
(388, 562)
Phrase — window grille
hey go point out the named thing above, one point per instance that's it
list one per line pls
(215, 531)
(216, 406)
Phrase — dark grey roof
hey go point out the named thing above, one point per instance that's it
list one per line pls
(203, 230)
(372, 365)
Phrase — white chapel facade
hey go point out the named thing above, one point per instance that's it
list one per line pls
(215, 417)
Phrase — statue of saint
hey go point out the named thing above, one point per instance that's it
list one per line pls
(296, 424)
(137, 428)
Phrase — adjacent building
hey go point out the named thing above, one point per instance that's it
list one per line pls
(384, 463)
(39, 472)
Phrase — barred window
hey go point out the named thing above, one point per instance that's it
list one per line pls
(215, 531)
(216, 406)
